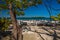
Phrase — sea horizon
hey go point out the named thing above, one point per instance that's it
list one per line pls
(32, 18)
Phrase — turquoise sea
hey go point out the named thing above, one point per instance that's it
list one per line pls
(33, 18)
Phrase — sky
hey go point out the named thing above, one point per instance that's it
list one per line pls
(40, 10)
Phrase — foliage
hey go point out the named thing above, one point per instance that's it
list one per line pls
(56, 18)
(58, 1)
(4, 23)
(18, 6)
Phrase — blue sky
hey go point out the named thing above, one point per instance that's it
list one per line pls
(40, 10)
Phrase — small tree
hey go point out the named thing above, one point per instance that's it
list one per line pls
(17, 7)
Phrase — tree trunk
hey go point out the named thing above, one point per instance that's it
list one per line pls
(17, 31)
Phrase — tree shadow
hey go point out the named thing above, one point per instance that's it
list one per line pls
(54, 35)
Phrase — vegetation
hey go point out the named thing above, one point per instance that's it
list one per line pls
(17, 7)
(58, 1)
(4, 24)
(56, 18)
